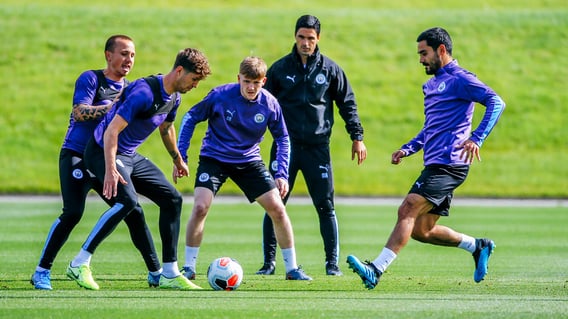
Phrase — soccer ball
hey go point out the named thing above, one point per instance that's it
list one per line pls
(224, 273)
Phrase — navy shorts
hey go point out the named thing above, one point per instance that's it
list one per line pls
(437, 183)
(252, 178)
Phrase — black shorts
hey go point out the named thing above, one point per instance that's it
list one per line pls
(437, 183)
(252, 178)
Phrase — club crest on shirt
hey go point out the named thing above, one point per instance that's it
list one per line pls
(274, 166)
(77, 173)
(204, 177)
(320, 79)
(259, 118)
(442, 87)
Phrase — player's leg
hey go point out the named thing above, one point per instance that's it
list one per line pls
(142, 239)
(150, 181)
(251, 178)
(202, 199)
(125, 201)
(139, 234)
(427, 231)
(209, 178)
(275, 208)
(414, 205)
(74, 185)
(439, 187)
(79, 268)
(269, 242)
(318, 174)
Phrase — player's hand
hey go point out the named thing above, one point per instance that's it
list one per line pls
(358, 149)
(282, 185)
(110, 183)
(180, 170)
(397, 156)
(470, 150)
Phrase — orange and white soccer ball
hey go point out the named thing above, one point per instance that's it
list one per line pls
(225, 273)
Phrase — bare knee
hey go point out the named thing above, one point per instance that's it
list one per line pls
(413, 211)
(200, 210)
(408, 210)
(273, 206)
(424, 228)
(277, 214)
(419, 235)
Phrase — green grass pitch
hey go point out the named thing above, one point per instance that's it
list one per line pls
(527, 275)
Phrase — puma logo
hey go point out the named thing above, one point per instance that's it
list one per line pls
(229, 115)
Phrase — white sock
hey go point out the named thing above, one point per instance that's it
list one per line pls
(191, 254)
(170, 270)
(386, 257)
(467, 243)
(289, 255)
(82, 258)
(155, 273)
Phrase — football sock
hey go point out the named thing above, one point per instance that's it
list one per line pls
(386, 257)
(170, 270)
(155, 273)
(467, 243)
(40, 269)
(82, 258)
(191, 256)
(289, 255)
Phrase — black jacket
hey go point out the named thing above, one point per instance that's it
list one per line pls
(306, 96)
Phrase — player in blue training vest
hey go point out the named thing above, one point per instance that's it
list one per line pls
(449, 146)
(94, 92)
(238, 116)
(111, 155)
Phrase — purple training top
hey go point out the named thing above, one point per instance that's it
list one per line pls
(236, 127)
(449, 98)
(137, 99)
(87, 91)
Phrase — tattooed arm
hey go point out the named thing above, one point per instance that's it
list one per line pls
(83, 112)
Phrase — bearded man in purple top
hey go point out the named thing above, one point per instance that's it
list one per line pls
(449, 147)
(111, 155)
(94, 92)
(238, 115)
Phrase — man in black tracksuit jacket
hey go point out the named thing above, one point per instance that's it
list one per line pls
(306, 84)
